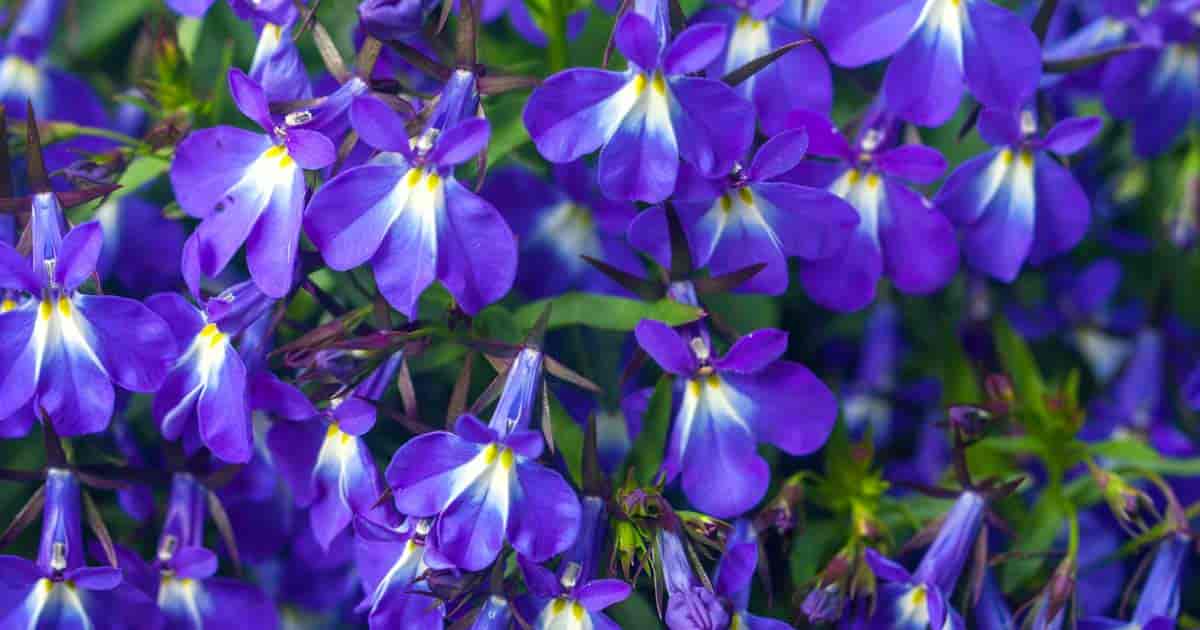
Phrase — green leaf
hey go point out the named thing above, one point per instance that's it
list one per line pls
(568, 438)
(652, 442)
(1136, 454)
(1036, 534)
(508, 128)
(142, 170)
(1022, 368)
(188, 33)
(606, 312)
(634, 612)
(102, 22)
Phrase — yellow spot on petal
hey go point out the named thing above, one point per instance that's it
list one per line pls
(64, 306)
(693, 387)
(557, 606)
(489, 453)
(726, 203)
(412, 177)
(433, 180)
(872, 180)
(7, 305)
(577, 611)
(275, 152)
(45, 310)
(659, 84)
(639, 84)
(746, 196)
(1006, 156)
(918, 595)
(273, 30)
(46, 585)
(286, 161)
(212, 334)
(1026, 159)
(853, 176)
(506, 458)
(713, 381)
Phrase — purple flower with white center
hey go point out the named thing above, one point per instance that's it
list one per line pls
(247, 187)
(745, 218)
(482, 485)
(919, 600)
(1158, 605)
(277, 65)
(731, 403)
(900, 233)
(393, 567)
(181, 577)
(690, 604)
(647, 118)
(325, 460)
(62, 351)
(59, 591)
(1015, 202)
(26, 76)
(1157, 86)
(570, 600)
(800, 79)
(207, 397)
(938, 46)
(734, 575)
(556, 225)
(405, 212)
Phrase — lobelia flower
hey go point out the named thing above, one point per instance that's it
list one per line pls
(1158, 605)
(277, 65)
(482, 485)
(1016, 202)
(557, 224)
(325, 460)
(496, 614)
(62, 351)
(647, 118)
(938, 46)
(570, 600)
(744, 218)
(405, 212)
(59, 590)
(900, 233)
(246, 187)
(208, 396)
(395, 19)
(1157, 86)
(26, 76)
(181, 577)
(800, 79)
(393, 566)
(734, 575)
(729, 404)
(690, 604)
(920, 599)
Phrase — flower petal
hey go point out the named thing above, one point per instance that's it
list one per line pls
(920, 248)
(349, 217)
(1072, 135)
(754, 352)
(544, 517)
(858, 33)
(1002, 56)
(914, 162)
(784, 404)
(201, 181)
(634, 36)
(223, 411)
(477, 261)
(271, 246)
(1063, 210)
(424, 472)
(694, 49)
(133, 342)
(250, 99)
(576, 111)
(666, 346)
(714, 126)
(310, 149)
(924, 82)
(461, 142)
(778, 155)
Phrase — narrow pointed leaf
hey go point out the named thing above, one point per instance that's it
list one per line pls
(220, 518)
(99, 529)
(24, 517)
(754, 66)
(637, 285)
(1063, 66)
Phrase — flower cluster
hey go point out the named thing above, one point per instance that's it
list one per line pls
(719, 315)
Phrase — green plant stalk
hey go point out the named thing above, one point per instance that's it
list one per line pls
(556, 49)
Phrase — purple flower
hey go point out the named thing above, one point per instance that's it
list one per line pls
(743, 218)
(62, 350)
(920, 599)
(1157, 86)
(735, 573)
(26, 76)
(393, 567)
(1158, 605)
(208, 395)
(482, 485)
(247, 188)
(325, 460)
(59, 590)
(142, 248)
(799, 79)
(556, 225)
(690, 605)
(496, 614)
(939, 45)
(395, 19)
(405, 212)
(900, 233)
(571, 600)
(647, 118)
(731, 403)
(277, 65)
(1016, 202)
